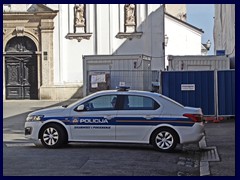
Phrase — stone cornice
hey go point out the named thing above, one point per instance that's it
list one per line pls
(28, 15)
(78, 36)
(130, 36)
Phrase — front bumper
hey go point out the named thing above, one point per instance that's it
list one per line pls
(28, 131)
(32, 130)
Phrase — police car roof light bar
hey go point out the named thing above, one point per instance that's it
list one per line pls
(122, 88)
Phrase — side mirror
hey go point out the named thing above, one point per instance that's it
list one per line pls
(80, 107)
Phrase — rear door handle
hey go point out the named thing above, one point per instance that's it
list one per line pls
(148, 117)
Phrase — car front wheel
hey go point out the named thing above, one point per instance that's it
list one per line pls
(164, 140)
(53, 136)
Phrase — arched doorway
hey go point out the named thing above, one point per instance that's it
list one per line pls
(21, 69)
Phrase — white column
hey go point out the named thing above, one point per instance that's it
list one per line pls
(71, 18)
(121, 18)
(90, 17)
(110, 27)
(138, 16)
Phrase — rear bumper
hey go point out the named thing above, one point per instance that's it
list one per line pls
(191, 134)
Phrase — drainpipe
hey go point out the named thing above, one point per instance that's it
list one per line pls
(216, 94)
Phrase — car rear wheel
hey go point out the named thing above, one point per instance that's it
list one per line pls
(164, 140)
(53, 136)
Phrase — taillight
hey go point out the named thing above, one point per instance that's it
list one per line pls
(194, 117)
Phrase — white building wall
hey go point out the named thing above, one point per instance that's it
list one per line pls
(182, 40)
(104, 21)
(68, 53)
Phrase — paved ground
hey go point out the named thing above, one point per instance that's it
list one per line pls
(222, 135)
(219, 160)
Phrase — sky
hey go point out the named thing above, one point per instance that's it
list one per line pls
(202, 17)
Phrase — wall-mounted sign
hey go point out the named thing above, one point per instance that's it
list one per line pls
(122, 84)
(187, 87)
(220, 52)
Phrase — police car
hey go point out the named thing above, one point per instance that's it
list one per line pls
(121, 115)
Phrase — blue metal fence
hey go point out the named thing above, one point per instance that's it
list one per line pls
(190, 88)
(199, 89)
(226, 92)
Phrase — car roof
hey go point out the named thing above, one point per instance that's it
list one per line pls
(136, 92)
(129, 92)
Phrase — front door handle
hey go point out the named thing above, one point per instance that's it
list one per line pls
(108, 117)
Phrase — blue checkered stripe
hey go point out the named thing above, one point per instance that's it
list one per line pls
(136, 121)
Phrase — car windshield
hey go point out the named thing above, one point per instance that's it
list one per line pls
(74, 103)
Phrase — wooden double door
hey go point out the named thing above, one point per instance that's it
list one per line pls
(21, 76)
(21, 71)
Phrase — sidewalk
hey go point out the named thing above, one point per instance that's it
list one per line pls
(15, 107)
(15, 113)
(222, 136)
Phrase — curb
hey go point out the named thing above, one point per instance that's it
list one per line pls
(204, 165)
(207, 154)
(204, 168)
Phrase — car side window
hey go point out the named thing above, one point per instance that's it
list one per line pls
(132, 102)
(101, 103)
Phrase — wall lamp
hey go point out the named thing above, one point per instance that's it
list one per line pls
(166, 40)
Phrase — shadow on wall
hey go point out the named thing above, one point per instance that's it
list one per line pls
(232, 62)
(78, 94)
(151, 42)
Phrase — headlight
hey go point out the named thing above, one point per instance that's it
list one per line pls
(35, 118)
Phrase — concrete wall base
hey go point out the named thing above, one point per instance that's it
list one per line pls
(60, 92)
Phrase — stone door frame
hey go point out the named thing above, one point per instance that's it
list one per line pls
(38, 26)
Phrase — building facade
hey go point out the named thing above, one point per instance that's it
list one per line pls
(224, 31)
(44, 45)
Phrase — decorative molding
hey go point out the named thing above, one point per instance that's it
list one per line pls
(130, 36)
(78, 36)
(35, 31)
(130, 18)
(79, 32)
(19, 30)
(79, 16)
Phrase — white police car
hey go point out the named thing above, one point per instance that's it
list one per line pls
(118, 116)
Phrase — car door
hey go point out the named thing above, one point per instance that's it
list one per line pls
(96, 121)
(136, 117)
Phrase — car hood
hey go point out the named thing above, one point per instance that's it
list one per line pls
(48, 111)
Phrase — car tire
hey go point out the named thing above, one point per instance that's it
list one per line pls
(164, 139)
(53, 136)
